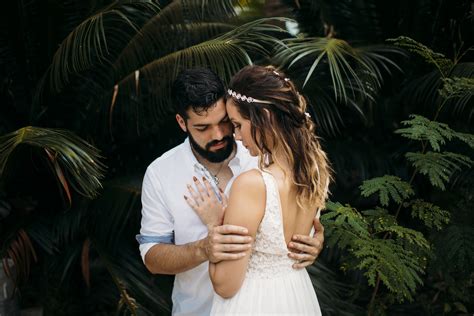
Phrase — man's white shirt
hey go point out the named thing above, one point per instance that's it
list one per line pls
(167, 218)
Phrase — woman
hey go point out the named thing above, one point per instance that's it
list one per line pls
(274, 202)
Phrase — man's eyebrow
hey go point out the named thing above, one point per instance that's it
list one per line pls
(206, 125)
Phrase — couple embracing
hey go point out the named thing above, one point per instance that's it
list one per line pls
(230, 210)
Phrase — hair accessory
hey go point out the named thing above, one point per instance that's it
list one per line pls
(307, 115)
(242, 97)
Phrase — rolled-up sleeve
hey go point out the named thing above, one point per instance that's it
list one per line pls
(157, 222)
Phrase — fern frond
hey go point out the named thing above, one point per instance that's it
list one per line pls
(421, 128)
(431, 215)
(466, 138)
(457, 88)
(455, 245)
(440, 61)
(344, 224)
(439, 167)
(399, 269)
(387, 187)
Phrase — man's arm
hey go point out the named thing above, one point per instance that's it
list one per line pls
(226, 242)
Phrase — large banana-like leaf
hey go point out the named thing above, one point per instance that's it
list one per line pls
(75, 162)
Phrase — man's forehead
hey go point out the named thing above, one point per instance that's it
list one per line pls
(212, 114)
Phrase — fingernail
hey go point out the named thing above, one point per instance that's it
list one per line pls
(295, 237)
(291, 244)
(194, 178)
(185, 197)
(204, 179)
(221, 190)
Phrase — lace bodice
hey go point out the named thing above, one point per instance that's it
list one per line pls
(269, 256)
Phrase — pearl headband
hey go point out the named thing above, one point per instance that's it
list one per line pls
(243, 97)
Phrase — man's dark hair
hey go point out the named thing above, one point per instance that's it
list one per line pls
(197, 88)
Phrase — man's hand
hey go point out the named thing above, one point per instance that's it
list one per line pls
(205, 203)
(306, 249)
(227, 242)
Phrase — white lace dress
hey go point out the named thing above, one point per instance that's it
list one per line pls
(271, 285)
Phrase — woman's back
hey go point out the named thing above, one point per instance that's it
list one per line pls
(295, 219)
(271, 285)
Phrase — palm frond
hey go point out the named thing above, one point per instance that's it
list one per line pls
(121, 198)
(88, 42)
(22, 252)
(170, 30)
(225, 54)
(349, 68)
(74, 161)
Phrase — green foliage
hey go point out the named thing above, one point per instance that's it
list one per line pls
(431, 215)
(387, 187)
(421, 128)
(443, 64)
(439, 167)
(397, 267)
(457, 88)
(436, 133)
(72, 159)
(346, 63)
(398, 260)
(456, 247)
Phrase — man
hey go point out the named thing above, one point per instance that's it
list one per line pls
(173, 239)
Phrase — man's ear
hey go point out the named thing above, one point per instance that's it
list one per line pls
(182, 122)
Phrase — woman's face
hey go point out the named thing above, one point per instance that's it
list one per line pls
(242, 127)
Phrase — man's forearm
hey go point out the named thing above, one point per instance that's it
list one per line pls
(173, 259)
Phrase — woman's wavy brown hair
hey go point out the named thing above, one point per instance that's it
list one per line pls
(278, 119)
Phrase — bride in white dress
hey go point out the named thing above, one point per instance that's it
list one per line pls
(275, 202)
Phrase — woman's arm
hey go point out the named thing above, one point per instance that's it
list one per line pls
(245, 208)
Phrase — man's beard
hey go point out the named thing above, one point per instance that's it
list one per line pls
(213, 156)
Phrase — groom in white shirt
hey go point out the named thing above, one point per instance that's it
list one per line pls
(173, 239)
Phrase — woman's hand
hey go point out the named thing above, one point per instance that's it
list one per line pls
(205, 203)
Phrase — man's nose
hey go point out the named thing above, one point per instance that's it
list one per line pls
(217, 133)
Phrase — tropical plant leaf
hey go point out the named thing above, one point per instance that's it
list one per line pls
(345, 62)
(332, 294)
(421, 128)
(22, 252)
(456, 248)
(73, 159)
(457, 87)
(388, 187)
(398, 268)
(443, 64)
(439, 167)
(226, 54)
(88, 43)
(431, 215)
